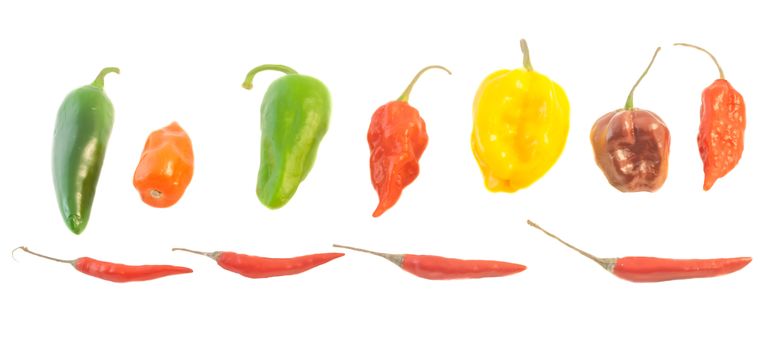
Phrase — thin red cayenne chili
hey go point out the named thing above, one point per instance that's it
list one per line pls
(648, 269)
(261, 267)
(439, 268)
(116, 272)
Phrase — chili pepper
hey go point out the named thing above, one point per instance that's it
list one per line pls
(521, 121)
(261, 267)
(295, 114)
(397, 138)
(165, 168)
(439, 268)
(721, 127)
(116, 272)
(82, 130)
(648, 269)
(631, 146)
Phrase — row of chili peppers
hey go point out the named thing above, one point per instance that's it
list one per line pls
(632, 268)
(520, 125)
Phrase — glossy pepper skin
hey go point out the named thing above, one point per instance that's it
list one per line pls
(521, 121)
(295, 115)
(82, 130)
(166, 166)
(397, 138)
(631, 146)
(435, 267)
(252, 266)
(644, 269)
(721, 127)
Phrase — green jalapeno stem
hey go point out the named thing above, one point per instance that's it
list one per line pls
(405, 95)
(248, 83)
(526, 55)
(720, 70)
(99, 80)
(629, 101)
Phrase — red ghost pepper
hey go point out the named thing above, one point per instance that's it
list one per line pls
(397, 138)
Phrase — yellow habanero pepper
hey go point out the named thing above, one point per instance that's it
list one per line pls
(520, 125)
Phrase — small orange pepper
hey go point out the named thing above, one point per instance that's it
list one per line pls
(166, 167)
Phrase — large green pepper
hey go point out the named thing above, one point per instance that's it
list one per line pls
(295, 114)
(81, 135)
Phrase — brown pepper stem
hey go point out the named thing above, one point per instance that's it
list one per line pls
(607, 263)
(720, 70)
(405, 95)
(212, 255)
(526, 55)
(629, 101)
(397, 259)
(24, 248)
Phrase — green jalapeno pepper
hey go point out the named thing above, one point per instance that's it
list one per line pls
(82, 130)
(295, 114)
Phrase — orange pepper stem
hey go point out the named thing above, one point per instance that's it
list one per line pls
(99, 80)
(629, 101)
(72, 262)
(526, 55)
(720, 70)
(248, 83)
(212, 255)
(405, 95)
(607, 263)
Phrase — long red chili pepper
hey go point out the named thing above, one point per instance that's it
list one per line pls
(116, 272)
(721, 126)
(397, 137)
(648, 269)
(439, 268)
(261, 267)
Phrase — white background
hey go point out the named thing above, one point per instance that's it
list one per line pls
(186, 63)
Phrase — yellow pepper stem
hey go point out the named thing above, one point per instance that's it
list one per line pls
(405, 95)
(720, 70)
(526, 55)
(629, 101)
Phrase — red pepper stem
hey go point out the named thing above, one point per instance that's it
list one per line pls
(720, 70)
(248, 83)
(43, 256)
(212, 255)
(405, 95)
(629, 101)
(397, 259)
(99, 80)
(607, 263)
(526, 55)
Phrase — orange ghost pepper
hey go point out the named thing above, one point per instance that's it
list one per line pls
(397, 137)
(166, 167)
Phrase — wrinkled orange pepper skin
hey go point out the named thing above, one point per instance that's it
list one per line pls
(721, 130)
(166, 167)
(397, 138)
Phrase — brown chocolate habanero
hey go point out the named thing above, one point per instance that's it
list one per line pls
(631, 146)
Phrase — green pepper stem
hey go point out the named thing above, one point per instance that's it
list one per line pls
(405, 95)
(607, 263)
(526, 55)
(212, 255)
(42, 256)
(720, 70)
(629, 101)
(248, 83)
(99, 80)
